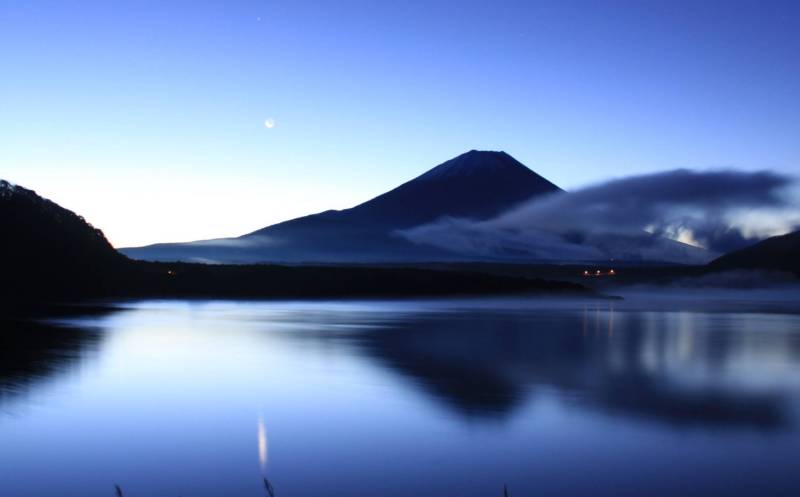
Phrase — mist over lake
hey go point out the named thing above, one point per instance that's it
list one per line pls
(645, 396)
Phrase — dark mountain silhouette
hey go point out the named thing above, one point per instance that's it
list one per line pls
(48, 250)
(51, 254)
(475, 185)
(46, 232)
(778, 253)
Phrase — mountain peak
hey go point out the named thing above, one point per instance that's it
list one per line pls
(476, 184)
(474, 162)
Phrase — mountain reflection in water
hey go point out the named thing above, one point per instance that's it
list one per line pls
(32, 352)
(677, 368)
(430, 397)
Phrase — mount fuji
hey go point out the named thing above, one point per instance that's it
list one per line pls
(476, 185)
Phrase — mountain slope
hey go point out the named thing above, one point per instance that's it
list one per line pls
(475, 185)
(49, 250)
(49, 254)
(780, 253)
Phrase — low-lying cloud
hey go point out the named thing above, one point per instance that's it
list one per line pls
(254, 241)
(639, 217)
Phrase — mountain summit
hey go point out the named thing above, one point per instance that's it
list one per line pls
(475, 185)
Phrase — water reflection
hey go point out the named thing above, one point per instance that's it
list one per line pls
(396, 399)
(262, 446)
(32, 352)
(678, 368)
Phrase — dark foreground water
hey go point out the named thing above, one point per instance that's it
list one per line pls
(644, 397)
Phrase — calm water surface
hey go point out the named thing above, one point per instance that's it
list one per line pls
(678, 395)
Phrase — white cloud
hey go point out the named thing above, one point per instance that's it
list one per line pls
(609, 220)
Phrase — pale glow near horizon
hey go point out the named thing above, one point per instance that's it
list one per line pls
(135, 210)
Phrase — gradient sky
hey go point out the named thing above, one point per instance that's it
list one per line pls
(147, 117)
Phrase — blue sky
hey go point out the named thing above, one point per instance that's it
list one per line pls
(147, 117)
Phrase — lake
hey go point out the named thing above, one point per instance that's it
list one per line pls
(656, 395)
